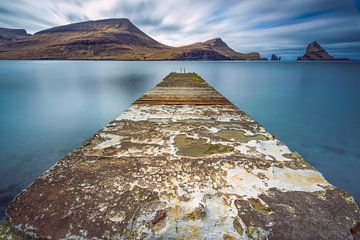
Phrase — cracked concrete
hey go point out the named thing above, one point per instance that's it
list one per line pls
(183, 163)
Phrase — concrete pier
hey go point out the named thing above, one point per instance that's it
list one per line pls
(183, 163)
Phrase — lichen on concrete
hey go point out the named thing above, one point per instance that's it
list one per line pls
(7, 233)
(198, 147)
(183, 163)
(239, 136)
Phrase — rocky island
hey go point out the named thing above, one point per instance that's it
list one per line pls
(315, 52)
(182, 163)
(109, 39)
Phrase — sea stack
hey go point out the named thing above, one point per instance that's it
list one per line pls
(275, 58)
(315, 52)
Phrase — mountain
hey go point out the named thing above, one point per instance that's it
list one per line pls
(103, 39)
(111, 39)
(315, 52)
(213, 49)
(9, 35)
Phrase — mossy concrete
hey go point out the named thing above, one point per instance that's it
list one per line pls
(8, 233)
(183, 163)
(198, 147)
(239, 136)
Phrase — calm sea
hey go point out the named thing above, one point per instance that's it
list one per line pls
(47, 108)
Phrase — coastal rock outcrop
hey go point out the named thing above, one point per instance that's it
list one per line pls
(315, 52)
(275, 58)
(111, 39)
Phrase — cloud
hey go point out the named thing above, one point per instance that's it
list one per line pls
(282, 27)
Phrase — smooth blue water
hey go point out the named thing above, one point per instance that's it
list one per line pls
(47, 108)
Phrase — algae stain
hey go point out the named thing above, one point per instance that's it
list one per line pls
(298, 162)
(229, 237)
(237, 226)
(198, 147)
(198, 213)
(256, 203)
(6, 232)
(219, 148)
(197, 78)
(239, 136)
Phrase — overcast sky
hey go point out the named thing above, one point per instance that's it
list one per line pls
(283, 27)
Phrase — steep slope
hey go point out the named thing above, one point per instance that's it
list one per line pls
(115, 39)
(315, 52)
(102, 39)
(221, 47)
(10, 35)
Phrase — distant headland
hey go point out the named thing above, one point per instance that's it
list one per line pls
(119, 39)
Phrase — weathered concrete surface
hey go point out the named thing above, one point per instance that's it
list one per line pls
(184, 163)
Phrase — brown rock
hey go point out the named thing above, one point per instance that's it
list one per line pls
(111, 39)
(315, 52)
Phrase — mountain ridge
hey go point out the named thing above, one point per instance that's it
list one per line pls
(8, 35)
(112, 39)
